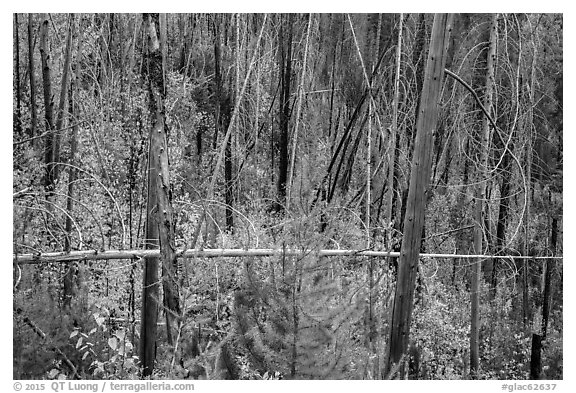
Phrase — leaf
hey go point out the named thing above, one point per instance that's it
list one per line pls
(53, 373)
(74, 333)
(79, 343)
(92, 331)
(98, 371)
(85, 355)
(121, 334)
(99, 319)
(113, 343)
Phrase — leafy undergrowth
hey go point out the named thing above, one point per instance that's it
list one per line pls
(273, 318)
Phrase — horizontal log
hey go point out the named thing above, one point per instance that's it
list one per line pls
(95, 255)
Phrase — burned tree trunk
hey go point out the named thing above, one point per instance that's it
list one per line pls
(32, 77)
(419, 179)
(159, 217)
(480, 196)
(49, 179)
(539, 337)
(72, 270)
(284, 114)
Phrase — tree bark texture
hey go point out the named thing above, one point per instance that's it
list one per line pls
(159, 222)
(419, 179)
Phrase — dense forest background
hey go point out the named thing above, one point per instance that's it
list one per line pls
(286, 132)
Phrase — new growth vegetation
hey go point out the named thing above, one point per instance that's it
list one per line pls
(287, 196)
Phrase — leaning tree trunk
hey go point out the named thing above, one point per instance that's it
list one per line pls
(159, 219)
(480, 196)
(419, 179)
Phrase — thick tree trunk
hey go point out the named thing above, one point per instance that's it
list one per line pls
(538, 338)
(418, 56)
(159, 221)
(536, 356)
(151, 287)
(480, 196)
(165, 211)
(419, 179)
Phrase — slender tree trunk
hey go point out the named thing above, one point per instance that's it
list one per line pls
(419, 179)
(548, 287)
(222, 121)
(480, 196)
(60, 117)
(49, 179)
(504, 204)
(460, 236)
(228, 182)
(32, 76)
(393, 140)
(525, 239)
(286, 76)
(298, 109)
(18, 115)
(72, 269)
